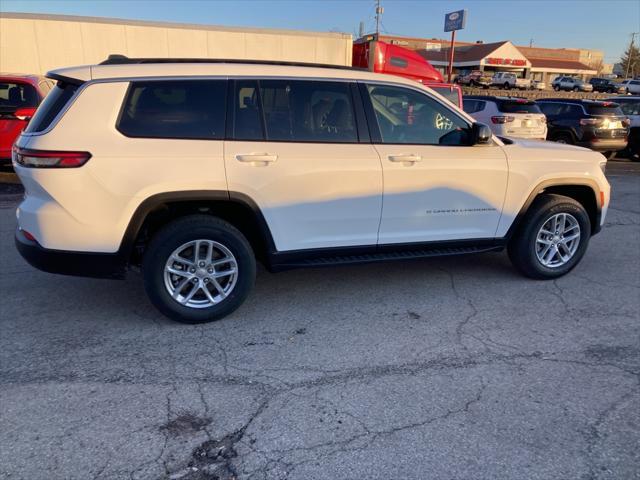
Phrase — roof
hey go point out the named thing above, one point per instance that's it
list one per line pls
(21, 76)
(559, 64)
(235, 68)
(144, 23)
(467, 53)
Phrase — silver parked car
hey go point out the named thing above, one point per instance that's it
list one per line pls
(571, 84)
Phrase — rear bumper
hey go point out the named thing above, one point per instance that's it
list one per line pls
(84, 264)
(605, 145)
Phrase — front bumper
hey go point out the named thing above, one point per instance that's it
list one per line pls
(83, 264)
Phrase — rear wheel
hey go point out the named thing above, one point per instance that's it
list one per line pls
(507, 86)
(563, 138)
(552, 237)
(198, 269)
(576, 89)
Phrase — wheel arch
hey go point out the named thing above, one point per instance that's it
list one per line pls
(158, 210)
(584, 191)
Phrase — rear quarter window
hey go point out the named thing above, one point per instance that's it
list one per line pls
(52, 105)
(180, 109)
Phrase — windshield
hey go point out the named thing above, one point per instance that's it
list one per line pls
(612, 110)
(449, 93)
(14, 95)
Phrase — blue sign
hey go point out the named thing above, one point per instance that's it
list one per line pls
(455, 20)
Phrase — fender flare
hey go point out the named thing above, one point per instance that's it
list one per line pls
(558, 182)
(150, 203)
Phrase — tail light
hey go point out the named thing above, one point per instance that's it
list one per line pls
(589, 121)
(48, 159)
(502, 119)
(24, 113)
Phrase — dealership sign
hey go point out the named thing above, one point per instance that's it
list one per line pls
(516, 62)
(455, 20)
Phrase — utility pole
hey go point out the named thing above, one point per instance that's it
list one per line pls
(626, 72)
(531, 43)
(379, 11)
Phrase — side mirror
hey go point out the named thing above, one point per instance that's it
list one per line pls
(24, 113)
(481, 134)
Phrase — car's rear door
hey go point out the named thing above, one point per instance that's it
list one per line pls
(436, 186)
(295, 149)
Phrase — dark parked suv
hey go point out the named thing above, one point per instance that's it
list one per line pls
(600, 126)
(606, 85)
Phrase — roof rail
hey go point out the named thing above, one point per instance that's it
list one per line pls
(117, 59)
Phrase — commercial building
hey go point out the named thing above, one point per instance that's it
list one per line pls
(38, 43)
(537, 63)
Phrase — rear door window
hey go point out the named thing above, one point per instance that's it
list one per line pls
(193, 109)
(308, 111)
(51, 106)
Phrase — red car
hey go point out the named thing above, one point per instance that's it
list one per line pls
(20, 95)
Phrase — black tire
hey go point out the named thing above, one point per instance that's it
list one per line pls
(184, 230)
(576, 89)
(507, 86)
(556, 88)
(522, 246)
(563, 137)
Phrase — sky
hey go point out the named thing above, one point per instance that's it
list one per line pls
(595, 24)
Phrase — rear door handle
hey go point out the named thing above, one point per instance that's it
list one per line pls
(405, 158)
(256, 159)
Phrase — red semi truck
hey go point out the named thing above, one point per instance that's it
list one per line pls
(383, 57)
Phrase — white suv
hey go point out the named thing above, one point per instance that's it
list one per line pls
(193, 170)
(508, 116)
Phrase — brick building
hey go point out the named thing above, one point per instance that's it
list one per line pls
(537, 63)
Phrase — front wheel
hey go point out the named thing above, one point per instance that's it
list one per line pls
(552, 237)
(198, 269)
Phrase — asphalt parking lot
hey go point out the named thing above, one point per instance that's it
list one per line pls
(450, 368)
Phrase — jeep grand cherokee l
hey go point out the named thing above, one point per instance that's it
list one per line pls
(193, 170)
(598, 125)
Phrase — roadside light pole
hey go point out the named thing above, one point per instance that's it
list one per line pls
(633, 37)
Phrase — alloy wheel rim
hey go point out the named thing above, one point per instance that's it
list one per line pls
(558, 240)
(200, 273)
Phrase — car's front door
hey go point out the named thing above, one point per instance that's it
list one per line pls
(295, 152)
(436, 186)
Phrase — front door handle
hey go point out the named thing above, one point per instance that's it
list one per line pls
(409, 159)
(257, 159)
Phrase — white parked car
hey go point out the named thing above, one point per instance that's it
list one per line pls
(538, 85)
(508, 116)
(508, 80)
(631, 86)
(196, 170)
